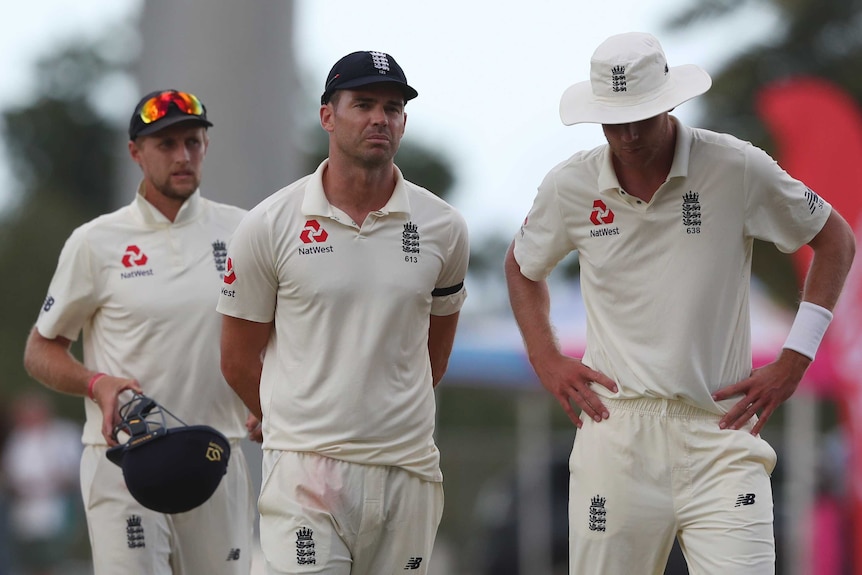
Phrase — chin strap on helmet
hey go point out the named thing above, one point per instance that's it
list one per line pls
(134, 414)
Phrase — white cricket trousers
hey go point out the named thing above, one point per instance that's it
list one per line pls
(215, 538)
(327, 516)
(659, 469)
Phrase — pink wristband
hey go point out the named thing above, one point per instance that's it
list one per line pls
(92, 382)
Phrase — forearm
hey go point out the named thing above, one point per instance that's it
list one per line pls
(441, 338)
(51, 363)
(242, 345)
(531, 305)
(834, 249)
(245, 382)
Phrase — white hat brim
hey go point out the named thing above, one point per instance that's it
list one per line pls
(580, 105)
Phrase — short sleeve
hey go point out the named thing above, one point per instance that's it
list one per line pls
(542, 240)
(449, 291)
(250, 283)
(71, 298)
(779, 208)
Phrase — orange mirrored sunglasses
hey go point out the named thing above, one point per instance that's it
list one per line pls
(157, 107)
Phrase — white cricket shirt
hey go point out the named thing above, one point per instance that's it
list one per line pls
(346, 373)
(666, 283)
(144, 291)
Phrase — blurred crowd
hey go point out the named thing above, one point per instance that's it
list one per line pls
(40, 517)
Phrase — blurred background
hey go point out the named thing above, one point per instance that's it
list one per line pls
(482, 134)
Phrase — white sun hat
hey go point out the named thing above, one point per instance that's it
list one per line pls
(630, 81)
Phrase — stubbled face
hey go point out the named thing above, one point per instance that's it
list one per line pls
(365, 125)
(172, 159)
(638, 144)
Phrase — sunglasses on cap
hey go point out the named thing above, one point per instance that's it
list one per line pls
(157, 107)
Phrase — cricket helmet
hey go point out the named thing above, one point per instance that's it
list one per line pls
(167, 469)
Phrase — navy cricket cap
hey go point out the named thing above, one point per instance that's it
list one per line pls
(162, 108)
(363, 68)
(169, 470)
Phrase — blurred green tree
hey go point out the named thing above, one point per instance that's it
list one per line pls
(59, 142)
(61, 151)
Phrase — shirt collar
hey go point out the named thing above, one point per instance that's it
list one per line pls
(314, 203)
(148, 212)
(682, 152)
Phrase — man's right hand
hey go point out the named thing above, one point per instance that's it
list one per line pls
(569, 380)
(106, 393)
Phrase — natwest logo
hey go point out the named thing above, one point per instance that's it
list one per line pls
(313, 233)
(601, 214)
(134, 257)
(229, 274)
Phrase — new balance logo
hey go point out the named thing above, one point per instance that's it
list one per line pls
(814, 201)
(233, 555)
(744, 499)
(413, 563)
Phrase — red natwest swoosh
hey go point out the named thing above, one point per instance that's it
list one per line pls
(229, 275)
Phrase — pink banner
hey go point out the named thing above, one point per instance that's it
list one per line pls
(818, 130)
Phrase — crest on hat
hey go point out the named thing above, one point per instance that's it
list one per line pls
(380, 61)
(618, 78)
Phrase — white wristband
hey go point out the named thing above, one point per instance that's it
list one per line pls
(808, 329)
